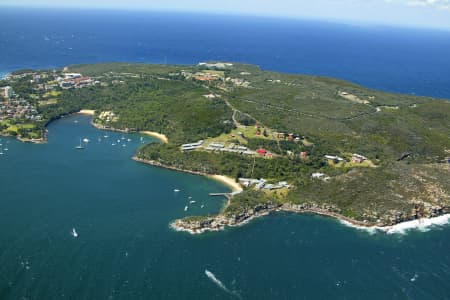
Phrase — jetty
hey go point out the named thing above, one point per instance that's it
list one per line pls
(226, 195)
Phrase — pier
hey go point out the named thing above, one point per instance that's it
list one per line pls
(226, 195)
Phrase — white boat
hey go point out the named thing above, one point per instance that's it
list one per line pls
(176, 190)
(185, 208)
(105, 136)
(113, 144)
(86, 140)
(203, 205)
(122, 137)
(80, 146)
(74, 233)
(118, 141)
(129, 140)
(1, 149)
(124, 145)
(191, 202)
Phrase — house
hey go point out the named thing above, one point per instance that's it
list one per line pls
(291, 137)
(303, 154)
(261, 152)
(357, 159)
(66, 84)
(193, 146)
(249, 181)
(317, 175)
(320, 176)
(217, 146)
(71, 75)
(204, 78)
(279, 185)
(334, 158)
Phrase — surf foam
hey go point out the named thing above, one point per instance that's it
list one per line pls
(402, 228)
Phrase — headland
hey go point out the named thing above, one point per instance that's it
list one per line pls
(282, 142)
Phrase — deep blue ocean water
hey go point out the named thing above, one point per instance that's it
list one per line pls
(121, 209)
(398, 60)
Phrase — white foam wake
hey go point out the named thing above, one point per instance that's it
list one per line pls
(219, 283)
(401, 228)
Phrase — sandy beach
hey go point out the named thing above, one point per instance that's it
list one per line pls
(87, 112)
(230, 182)
(154, 134)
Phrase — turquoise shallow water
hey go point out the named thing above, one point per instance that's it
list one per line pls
(125, 250)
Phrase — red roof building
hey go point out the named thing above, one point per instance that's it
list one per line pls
(261, 152)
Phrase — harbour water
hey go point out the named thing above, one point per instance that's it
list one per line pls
(121, 209)
(125, 249)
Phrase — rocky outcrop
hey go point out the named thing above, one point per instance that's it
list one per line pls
(221, 221)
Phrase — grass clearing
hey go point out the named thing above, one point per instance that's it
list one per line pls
(52, 94)
(48, 102)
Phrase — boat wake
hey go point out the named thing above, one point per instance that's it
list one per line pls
(219, 283)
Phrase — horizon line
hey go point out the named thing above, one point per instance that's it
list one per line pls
(337, 21)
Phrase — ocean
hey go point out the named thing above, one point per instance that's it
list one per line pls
(121, 209)
(409, 61)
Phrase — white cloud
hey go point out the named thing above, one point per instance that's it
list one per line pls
(438, 4)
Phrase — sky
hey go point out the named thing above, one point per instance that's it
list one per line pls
(411, 13)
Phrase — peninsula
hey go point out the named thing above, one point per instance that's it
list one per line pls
(294, 143)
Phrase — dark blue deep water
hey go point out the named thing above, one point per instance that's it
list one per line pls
(398, 60)
(121, 209)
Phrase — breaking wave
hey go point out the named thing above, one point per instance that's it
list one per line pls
(422, 225)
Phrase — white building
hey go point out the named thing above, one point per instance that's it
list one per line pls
(334, 158)
(8, 92)
(193, 146)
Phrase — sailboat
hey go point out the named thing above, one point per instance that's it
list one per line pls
(80, 146)
(74, 233)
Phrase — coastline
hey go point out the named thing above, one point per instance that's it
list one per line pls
(229, 182)
(23, 140)
(220, 222)
(87, 112)
(162, 137)
(400, 228)
(159, 136)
